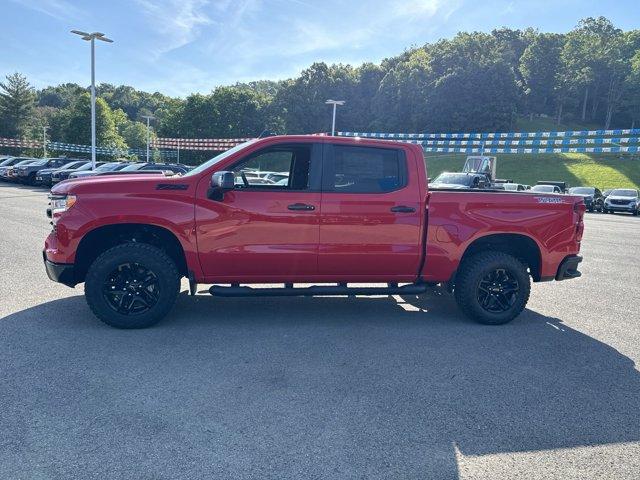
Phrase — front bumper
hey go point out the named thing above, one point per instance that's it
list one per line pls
(621, 208)
(568, 268)
(60, 272)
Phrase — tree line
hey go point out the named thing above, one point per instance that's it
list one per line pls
(472, 82)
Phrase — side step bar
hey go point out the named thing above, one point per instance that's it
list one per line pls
(317, 290)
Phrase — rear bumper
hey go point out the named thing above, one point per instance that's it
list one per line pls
(59, 272)
(568, 268)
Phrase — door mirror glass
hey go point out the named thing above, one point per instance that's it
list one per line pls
(222, 180)
(220, 183)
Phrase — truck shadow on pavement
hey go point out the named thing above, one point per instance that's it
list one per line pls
(300, 388)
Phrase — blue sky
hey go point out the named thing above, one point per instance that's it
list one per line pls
(182, 46)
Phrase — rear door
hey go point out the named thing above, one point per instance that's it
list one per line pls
(370, 225)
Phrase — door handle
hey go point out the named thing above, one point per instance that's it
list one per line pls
(301, 206)
(403, 209)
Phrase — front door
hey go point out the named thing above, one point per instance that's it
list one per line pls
(370, 227)
(266, 229)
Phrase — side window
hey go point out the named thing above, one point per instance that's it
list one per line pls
(364, 170)
(283, 167)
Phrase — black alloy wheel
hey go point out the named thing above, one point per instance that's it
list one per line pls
(131, 289)
(132, 285)
(492, 287)
(498, 291)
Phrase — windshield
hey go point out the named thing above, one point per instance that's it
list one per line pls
(624, 193)
(510, 186)
(71, 165)
(454, 178)
(133, 167)
(582, 190)
(24, 162)
(86, 166)
(37, 162)
(543, 188)
(8, 162)
(110, 167)
(219, 158)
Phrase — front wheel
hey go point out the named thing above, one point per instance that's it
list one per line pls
(492, 287)
(133, 285)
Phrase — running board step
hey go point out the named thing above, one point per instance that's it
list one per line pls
(317, 290)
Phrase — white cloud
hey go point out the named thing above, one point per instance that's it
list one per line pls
(58, 9)
(177, 21)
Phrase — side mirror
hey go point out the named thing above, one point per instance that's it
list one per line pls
(220, 183)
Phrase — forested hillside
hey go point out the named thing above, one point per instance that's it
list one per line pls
(496, 81)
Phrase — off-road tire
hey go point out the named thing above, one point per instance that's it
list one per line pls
(475, 270)
(166, 277)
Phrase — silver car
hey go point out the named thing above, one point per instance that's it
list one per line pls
(622, 200)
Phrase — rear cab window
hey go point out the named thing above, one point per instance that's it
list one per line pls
(355, 169)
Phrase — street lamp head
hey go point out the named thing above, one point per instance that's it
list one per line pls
(334, 102)
(90, 36)
(100, 36)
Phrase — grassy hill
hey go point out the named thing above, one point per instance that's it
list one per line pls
(599, 170)
(593, 169)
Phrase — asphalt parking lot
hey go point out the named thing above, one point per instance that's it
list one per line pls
(342, 388)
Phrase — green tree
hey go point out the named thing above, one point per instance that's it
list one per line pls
(60, 96)
(302, 101)
(133, 133)
(78, 128)
(539, 64)
(17, 103)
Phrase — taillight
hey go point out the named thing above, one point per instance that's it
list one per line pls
(579, 208)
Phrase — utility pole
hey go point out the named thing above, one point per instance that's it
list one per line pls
(148, 118)
(335, 103)
(92, 37)
(44, 141)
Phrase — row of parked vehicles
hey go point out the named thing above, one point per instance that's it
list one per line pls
(479, 172)
(49, 171)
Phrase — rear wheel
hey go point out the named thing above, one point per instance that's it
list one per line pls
(492, 287)
(133, 285)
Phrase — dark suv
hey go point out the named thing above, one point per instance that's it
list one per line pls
(592, 196)
(60, 175)
(27, 173)
(43, 177)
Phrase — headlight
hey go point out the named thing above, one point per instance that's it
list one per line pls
(60, 204)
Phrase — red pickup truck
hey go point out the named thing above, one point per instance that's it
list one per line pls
(342, 211)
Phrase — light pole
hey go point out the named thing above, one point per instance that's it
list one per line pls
(335, 103)
(44, 141)
(91, 37)
(149, 118)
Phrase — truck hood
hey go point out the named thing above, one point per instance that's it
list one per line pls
(112, 183)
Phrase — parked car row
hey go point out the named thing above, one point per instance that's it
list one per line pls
(49, 171)
(609, 201)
